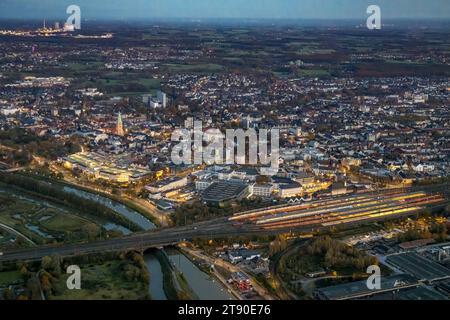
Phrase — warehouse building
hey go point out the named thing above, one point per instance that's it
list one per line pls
(167, 185)
(418, 266)
(223, 191)
(359, 289)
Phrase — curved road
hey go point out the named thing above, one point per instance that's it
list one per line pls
(17, 233)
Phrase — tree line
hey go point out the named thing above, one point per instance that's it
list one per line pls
(56, 193)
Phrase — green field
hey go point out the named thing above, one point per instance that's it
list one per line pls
(124, 84)
(85, 67)
(5, 237)
(313, 73)
(44, 223)
(66, 222)
(10, 277)
(102, 282)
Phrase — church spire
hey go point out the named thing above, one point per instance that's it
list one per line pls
(120, 130)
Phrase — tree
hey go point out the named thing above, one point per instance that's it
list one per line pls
(46, 283)
(91, 231)
(52, 264)
(33, 287)
(24, 271)
(277, 245)
(8, 294)
(56, 265)
(46, 263)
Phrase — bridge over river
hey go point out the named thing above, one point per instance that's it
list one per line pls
(138, 241)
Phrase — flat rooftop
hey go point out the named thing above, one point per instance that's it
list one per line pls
(418, 293)
(418, 266)
(359, 288)
(166, 182)
(223, 191)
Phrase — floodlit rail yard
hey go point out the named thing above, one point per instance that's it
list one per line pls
(327, 213)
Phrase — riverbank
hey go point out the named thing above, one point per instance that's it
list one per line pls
(126, 201)
(48, 191)
(203, 284)
(190, 254)
(259, 287)
(45, 221)
(156, 283)
(174, 284)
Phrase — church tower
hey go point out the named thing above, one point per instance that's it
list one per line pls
(120, 131)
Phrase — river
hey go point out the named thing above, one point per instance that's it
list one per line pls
(156, 288)
(121, 209)
(203, 285)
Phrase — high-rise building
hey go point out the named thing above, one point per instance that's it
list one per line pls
(147, 98)
(162, 98)
(155, 104)
(246, 122)
(160, 101)
(119, 130)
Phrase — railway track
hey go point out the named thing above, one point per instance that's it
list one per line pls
(338, 211)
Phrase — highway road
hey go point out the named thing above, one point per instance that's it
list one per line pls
(138, 241)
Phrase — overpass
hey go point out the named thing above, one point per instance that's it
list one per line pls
(138, 241)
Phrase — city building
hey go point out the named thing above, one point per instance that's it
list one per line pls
(162, 98)
(103, 167)
(359, 289)
(416, 265)
(160, 101)
(223, 191)
(201, 185)
(262, 190)
(289, 190)
(166, 185)
(239, 255)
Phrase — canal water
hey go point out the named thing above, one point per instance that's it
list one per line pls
(121, 209)
(156, 288)
(203, 285)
